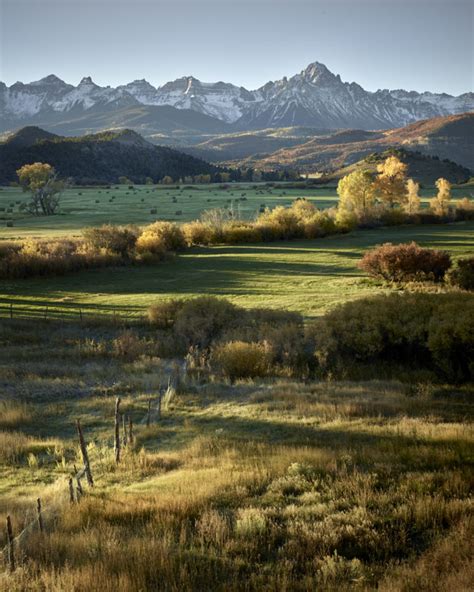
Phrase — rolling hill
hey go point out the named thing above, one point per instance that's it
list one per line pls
(97, 158)
(450, 137)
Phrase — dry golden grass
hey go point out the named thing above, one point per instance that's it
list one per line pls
(276, 485)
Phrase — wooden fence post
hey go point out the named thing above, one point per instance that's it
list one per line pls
(40, 517)
(10, 543)
(148, 417)
(130, 430)
(117, 430)
(124, 429)
(71, 490)
(159, 406)
(85, 457)
(79, 489)
(11, 310)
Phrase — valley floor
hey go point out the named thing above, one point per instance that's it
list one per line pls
(309, 276)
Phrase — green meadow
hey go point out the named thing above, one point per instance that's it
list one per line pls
(81, 207)
(309, 276)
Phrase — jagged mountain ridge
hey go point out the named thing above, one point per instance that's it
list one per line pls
(315, 98)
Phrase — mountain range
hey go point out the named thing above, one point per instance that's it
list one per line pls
(314, 98)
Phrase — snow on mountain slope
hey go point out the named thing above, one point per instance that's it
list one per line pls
(315, 98)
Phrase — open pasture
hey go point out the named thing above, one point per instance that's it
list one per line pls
(308, 276)
(81, 207)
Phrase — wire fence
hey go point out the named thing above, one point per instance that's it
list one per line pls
(21, 310)
(70, 490)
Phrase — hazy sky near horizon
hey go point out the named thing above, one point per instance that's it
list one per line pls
(416, 45)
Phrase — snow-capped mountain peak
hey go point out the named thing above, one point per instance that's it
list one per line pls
(315, 97)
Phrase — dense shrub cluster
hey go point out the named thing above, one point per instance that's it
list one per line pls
(462, 275)
(204, 323)
(300, 220)
(52, 257)
(101, 246)
(434, 331)
(405, 262)
(429, 332)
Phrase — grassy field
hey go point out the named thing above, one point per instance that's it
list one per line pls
(305, 276)
(252, 486)
(120, 205)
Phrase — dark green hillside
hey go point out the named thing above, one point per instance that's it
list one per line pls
(97, 158)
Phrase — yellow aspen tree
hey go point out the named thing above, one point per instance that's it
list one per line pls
(412, 200)
(441, 203)
(391, 180)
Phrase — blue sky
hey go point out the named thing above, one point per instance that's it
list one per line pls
(417, 44)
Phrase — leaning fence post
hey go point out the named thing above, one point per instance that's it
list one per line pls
(11, 552)
(130, 430)
(85, 457)
(71, 490)
(40, 517)
(117, 430)
(79, 490)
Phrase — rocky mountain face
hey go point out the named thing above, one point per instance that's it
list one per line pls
(315, 98)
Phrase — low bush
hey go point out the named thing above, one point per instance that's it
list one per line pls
(236, 233)
(462, 275)
(163, 314)
(405, 262)
(161, 237)
(128, 345)
(238, 359)
(118, 240)
(200, 321)
(198, 233)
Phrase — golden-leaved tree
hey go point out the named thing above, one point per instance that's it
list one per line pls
(41, 181)
(412, 199)
(391, 180)
(441, 203)
(356, 196)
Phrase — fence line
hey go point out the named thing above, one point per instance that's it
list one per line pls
(38, 520)
(56, 312)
